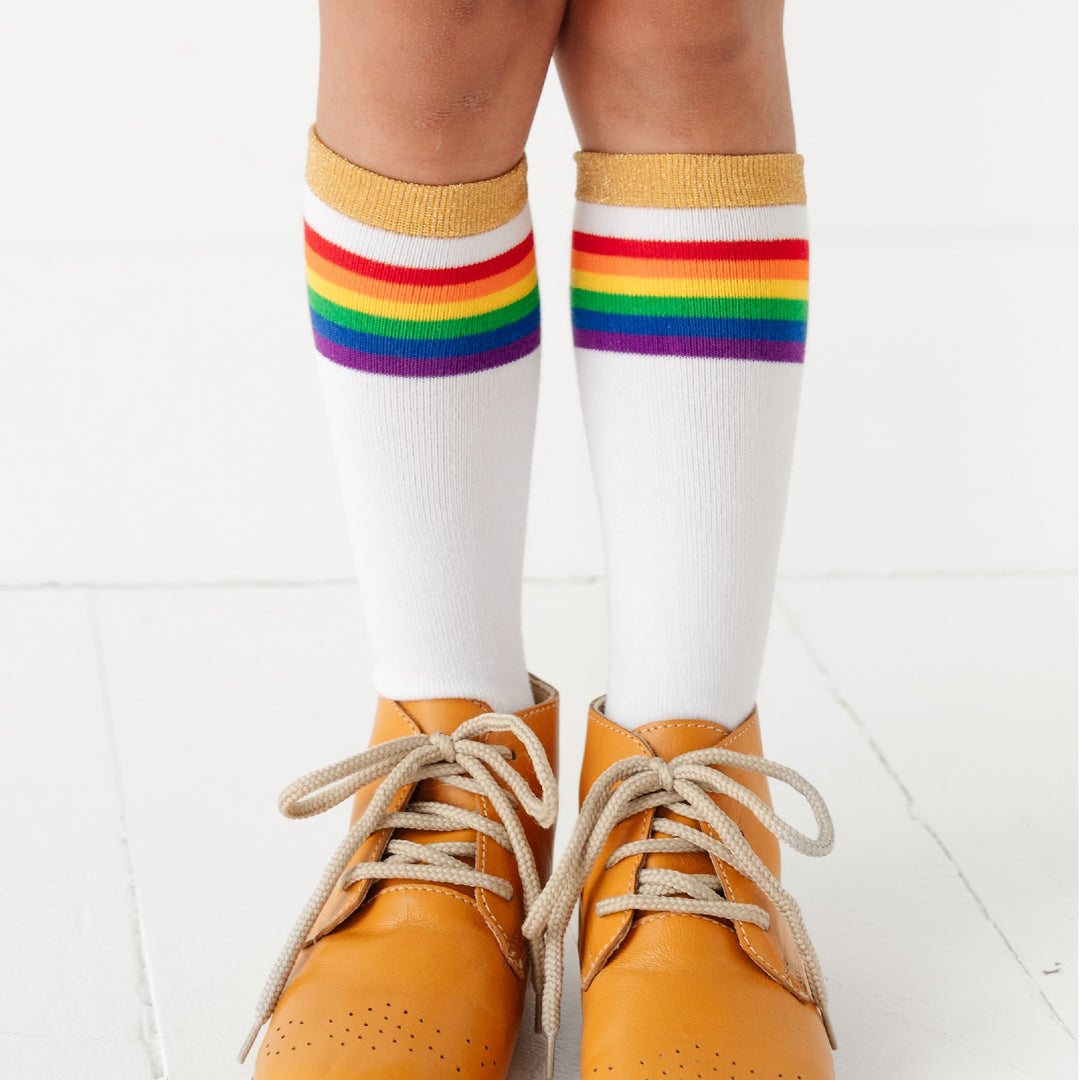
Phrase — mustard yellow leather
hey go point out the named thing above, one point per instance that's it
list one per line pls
(412, 979)
(687, 996)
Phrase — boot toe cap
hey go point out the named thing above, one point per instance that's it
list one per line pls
(661, 1011)
(408, 1002)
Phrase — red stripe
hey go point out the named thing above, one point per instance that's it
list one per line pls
(416, 275)
(702, 250)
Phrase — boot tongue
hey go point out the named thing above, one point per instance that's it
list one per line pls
(670, 738)
(443, 714)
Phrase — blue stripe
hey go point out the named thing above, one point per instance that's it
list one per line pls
(421, 348)
(685, 327)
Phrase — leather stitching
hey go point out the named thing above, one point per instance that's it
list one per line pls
(612, 726)
(743, 729)
(404, 715)
(514, 955)
(342, 904)
(597, 959)
(780, 976)
(652, 916)
(427, 888)
(491, 918)
(667, 725)
(655, 915)
(594, 960)
(783, 978)
(536, 710)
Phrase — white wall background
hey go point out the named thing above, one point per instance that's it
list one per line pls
(160, 419)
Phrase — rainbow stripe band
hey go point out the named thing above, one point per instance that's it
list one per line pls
(734, 299)
(417, 321)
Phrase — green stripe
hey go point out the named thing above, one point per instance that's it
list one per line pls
(712, 307)
(420, 328)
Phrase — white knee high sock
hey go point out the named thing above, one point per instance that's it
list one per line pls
(689, 292)
(425, 309)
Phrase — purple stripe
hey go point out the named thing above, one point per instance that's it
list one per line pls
(437, 365)
(787, 352)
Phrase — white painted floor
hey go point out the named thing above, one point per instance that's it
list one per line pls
(158, 724)
(180, 637)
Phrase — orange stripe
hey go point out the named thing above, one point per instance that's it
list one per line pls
(620, 266)
(418, 294)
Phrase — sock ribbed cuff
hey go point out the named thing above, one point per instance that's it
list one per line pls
(418, 280)
(428, 210)
(690, 181)
(692, 255)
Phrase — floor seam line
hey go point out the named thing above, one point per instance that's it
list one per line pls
(150, 1029)
(833, 689)
(567, 579)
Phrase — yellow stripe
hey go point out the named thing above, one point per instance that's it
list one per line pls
(421, 312)
(781, 288)
(688, 181)
(436, 210)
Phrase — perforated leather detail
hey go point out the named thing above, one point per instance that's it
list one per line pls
(375, 1040)
(693, 1062)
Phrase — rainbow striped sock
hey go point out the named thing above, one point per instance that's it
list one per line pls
(424, 304)
(739, 297)
(689, 291)
(430, 298)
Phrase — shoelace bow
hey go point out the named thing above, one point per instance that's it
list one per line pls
(460, 760)
(683, 786)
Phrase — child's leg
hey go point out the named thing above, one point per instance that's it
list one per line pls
(425, 309)
(434, 93)
(689, 291)
(690, 76)
(689, 314)
(408, 960)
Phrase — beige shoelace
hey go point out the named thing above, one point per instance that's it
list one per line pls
(460, 760)
(682, 786)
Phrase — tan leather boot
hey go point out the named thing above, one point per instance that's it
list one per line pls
(409, 961)
(694, 960)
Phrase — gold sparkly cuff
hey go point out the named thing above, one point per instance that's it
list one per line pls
(436, 210)
(686, 181)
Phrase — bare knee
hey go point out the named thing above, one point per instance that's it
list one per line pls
(685, 75)
(441, 107)
(466, 12)
(433, 90)
(685, 38)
